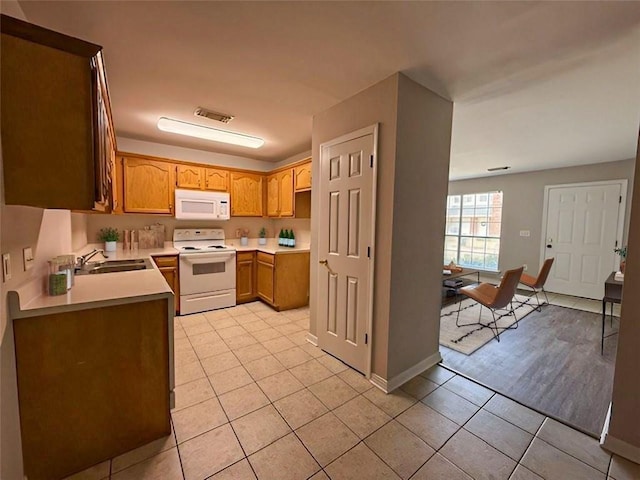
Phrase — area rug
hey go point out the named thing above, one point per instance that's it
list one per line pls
(470, 338)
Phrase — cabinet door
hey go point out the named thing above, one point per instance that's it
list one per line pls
(245, 277)
(188, 176)
(168, 266)
(148, 186)
(303, 177)
(273, 195)
(246, 194)
(285, 180)
(216, 179)
(170, 274)
(265, 267)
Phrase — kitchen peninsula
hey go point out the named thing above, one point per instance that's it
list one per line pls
(95, 368)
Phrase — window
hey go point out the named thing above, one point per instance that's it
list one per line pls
(472, 231)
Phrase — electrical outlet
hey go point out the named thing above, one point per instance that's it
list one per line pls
(6, 266)
(525, 266)
(525, 233)
(27, 258)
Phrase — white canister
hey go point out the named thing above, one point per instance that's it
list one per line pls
(109, 246)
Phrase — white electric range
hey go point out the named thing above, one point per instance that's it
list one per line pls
(207, 269)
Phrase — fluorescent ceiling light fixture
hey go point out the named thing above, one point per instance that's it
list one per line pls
(215, 135)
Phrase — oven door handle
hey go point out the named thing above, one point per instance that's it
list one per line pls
(206, 257)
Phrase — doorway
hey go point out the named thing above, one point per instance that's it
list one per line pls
(582, 225)
(345, 247)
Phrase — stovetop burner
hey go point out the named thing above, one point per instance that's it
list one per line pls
(190, 248)
(216, 246)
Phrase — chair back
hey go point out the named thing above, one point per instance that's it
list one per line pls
(507, 288)
(544, 273)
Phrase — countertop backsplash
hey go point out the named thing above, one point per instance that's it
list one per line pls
(301, 226)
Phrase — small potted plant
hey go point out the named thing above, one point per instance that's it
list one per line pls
(109, 236)
(623, 257)
(263, 236)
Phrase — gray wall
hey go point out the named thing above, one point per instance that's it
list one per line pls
(421, 177)
(523, 201)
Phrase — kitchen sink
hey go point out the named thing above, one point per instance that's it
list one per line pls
(112, 266)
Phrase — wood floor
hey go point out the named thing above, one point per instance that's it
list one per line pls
(551, 363)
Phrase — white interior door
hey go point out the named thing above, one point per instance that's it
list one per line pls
(345, 248)
(582, 226)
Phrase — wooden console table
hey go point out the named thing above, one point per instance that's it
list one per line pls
(612, 294)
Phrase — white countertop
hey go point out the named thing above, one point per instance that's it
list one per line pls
(271, 247)
(92, 291)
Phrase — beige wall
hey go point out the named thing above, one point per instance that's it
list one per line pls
(133, 221)
(625, 405)
(10, 443)
(376, 104)
(523, 200)
(421, 178)
(130, 145)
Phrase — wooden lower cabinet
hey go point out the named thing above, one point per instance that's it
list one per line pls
(283, 279)
(266, 275)
(246, 277)
(92, 384)
(168, 266)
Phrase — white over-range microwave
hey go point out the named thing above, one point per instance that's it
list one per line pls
(199, 205)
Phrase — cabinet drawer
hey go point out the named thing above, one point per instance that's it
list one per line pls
(168, 261)
(266, 258)
(244, 256)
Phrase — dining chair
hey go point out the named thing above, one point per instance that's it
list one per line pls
(494, 298)
(537, 283)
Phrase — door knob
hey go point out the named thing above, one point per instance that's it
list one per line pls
(326, 264)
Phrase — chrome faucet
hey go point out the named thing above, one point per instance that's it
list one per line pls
(83, 259)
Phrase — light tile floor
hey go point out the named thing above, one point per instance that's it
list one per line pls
(254, 400)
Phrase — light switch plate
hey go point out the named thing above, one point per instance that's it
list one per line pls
(525, 233)
(6, 266)
(27, 257)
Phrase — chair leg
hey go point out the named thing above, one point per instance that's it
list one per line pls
(496, 334)
(458, 316)
(539, 308)
(545, 295)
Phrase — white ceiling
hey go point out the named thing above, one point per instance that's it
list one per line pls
(534, 85)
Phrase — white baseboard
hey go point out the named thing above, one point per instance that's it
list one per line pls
(379, 382)
(312, 339)
(390, 385)
(617, 446)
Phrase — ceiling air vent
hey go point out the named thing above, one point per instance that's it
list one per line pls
(495, 169)
(220, 117)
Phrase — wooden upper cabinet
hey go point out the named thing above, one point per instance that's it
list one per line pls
(280, 194)
(286, 193)
(202, 178)
(188, 176)
(216, 179)
(246, 194)
(273, 195)
(148, 186)
(302, 175)
(58, 140)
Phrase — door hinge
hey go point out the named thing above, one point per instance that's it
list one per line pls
(368, 252)
(616, 243)
(371, 161)
(366, 338)
(620, 199)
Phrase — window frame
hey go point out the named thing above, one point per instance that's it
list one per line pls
(465, 228)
